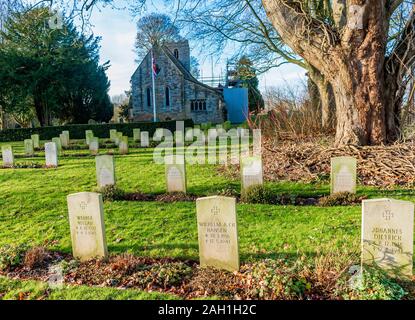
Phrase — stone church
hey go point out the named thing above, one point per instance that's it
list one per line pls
(179, 95)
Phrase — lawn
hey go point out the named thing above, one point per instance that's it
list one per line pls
(33, 211)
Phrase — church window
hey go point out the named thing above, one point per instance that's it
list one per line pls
(148, 97)
(198, 105)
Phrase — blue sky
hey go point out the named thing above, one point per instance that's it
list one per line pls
(117, 29)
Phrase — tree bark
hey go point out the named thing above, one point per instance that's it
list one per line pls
(325, 99)
(351, 60)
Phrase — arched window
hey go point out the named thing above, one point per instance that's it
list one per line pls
(148, 97)
(176, 53)
(167, 97)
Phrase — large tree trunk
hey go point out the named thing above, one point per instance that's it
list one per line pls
(325, 99)
(351, 60)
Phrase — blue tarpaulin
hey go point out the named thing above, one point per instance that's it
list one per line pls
(236, 100)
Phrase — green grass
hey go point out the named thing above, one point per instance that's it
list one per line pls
(36, 290)
(33, 210)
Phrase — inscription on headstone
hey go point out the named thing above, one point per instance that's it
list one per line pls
(218, 232)
(387, 235)
(343, 174)
(86, 219)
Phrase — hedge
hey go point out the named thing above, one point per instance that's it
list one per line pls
(77, 131)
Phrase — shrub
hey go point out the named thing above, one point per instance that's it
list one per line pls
(372, 284)
(111, 193)
(340, 199)
(11, 256)
(36, 257)
(163, 275)
(68, 266)
(258, 194)
(124, 263)
(77, 131)
(227, 125)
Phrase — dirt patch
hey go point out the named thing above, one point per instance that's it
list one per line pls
(166, 198)
(264, 279)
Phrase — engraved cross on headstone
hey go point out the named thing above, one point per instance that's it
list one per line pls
(215, 210)
(387, 215)
(83, 205)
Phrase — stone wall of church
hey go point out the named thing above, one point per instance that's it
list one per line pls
(182, 92)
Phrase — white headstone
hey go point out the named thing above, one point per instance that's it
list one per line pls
(89, 134)
(105, 170)
(64, 140)
(36, 141)
(136, 135)
(123, 146)
(28, 147)
(251, 172)
(66, 133)
(51, 154)
(86, 219)
(145, 142)
(175, 174)
(94, 145)
(58, 143)
(388, 235)
(7, 155)
(343, 174)
(113, 135)
(218, 232)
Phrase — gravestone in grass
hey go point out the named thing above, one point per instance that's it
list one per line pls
(212, 136)
(218, 232)
(105, 170)
(113, 134)
(175, 173)
(68, 137)
(387, 235)
(7, 155)
(51, 154)
(58, 144)
(86, 219)
(64, 140)
(136, 135)
(36, 141)
(89, 134)
(123, 147)
(145, 141)
(343, 174)
(251, 172)
(118, 138)
(28, 148)
(94, 145)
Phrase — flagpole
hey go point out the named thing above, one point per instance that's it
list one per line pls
(154, 86)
